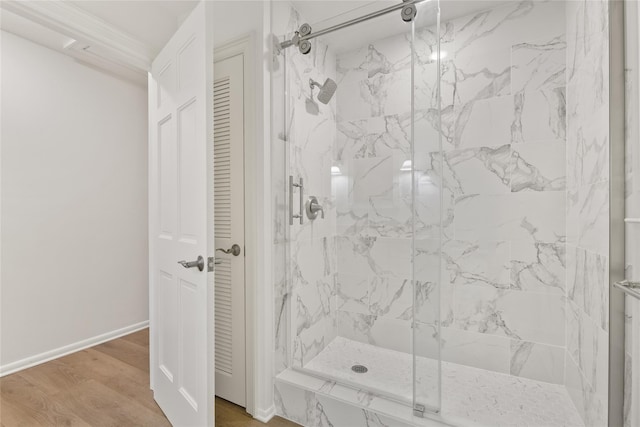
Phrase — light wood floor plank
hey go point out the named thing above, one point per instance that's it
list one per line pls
(44, 408)
(52, 376)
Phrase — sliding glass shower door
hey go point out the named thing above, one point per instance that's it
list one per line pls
(360, 120)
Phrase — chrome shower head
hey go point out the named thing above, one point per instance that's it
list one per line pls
(326, 90)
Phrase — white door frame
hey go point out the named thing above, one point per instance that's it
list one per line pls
(244, 46)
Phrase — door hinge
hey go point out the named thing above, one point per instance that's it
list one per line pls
(211, 264)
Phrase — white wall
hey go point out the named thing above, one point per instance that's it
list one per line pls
(74, 202)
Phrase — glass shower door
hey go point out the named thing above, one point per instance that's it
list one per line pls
(364, 205)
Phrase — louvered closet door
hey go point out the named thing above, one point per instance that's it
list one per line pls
(229, 229)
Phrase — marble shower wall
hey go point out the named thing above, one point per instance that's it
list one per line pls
(504, 191)
(586, 375)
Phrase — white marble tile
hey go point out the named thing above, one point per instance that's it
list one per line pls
(391, 257)
(433, 303)
(538, 167)
(591, 406)
(537, 361)
(376, 86)
(354, 255)
(502, 27)
(351, 218)
(474, 349)
(332, 412)
(587, 144)
(392, 218)
(392, 298)
(482, 170)
(311, 260)
(374, 177)
(282, 341)
(478, 75)
(540, 116)
(477, 263)
(406, 216)
(374, 137)
(352, 293)
(519, 315)
(394, 334)
(523, 215)
(538, 65)
(375, 257)
(587, 284)
(485, 122)
(384, 332)
(538, 267)
(295, 404)
(593, 225)
(587, 345)
(314, 319)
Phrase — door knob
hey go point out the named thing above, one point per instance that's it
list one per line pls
(190, 264)
(233, 250)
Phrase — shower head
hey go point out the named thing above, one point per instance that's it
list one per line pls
(326, 90)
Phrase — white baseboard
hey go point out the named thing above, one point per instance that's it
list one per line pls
(265, 415)
(28, 362)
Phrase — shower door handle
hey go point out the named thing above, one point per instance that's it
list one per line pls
(300, 215)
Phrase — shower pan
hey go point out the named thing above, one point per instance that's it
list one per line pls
(459, 270)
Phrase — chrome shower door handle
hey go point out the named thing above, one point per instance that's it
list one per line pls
(191, 264)
(233, 250)
(300, 215)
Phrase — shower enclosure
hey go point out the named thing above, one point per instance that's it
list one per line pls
(441, 181)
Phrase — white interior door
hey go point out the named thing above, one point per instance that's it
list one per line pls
(230, 360)
(180, 208)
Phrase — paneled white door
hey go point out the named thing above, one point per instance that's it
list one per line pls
(229, 229)
(181, 223)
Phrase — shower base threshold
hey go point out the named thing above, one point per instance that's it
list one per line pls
(470, 396)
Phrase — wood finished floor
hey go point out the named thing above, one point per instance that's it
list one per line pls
(106, 385)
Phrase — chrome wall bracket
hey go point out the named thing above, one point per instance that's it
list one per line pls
(298, 39)
(408, 11)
